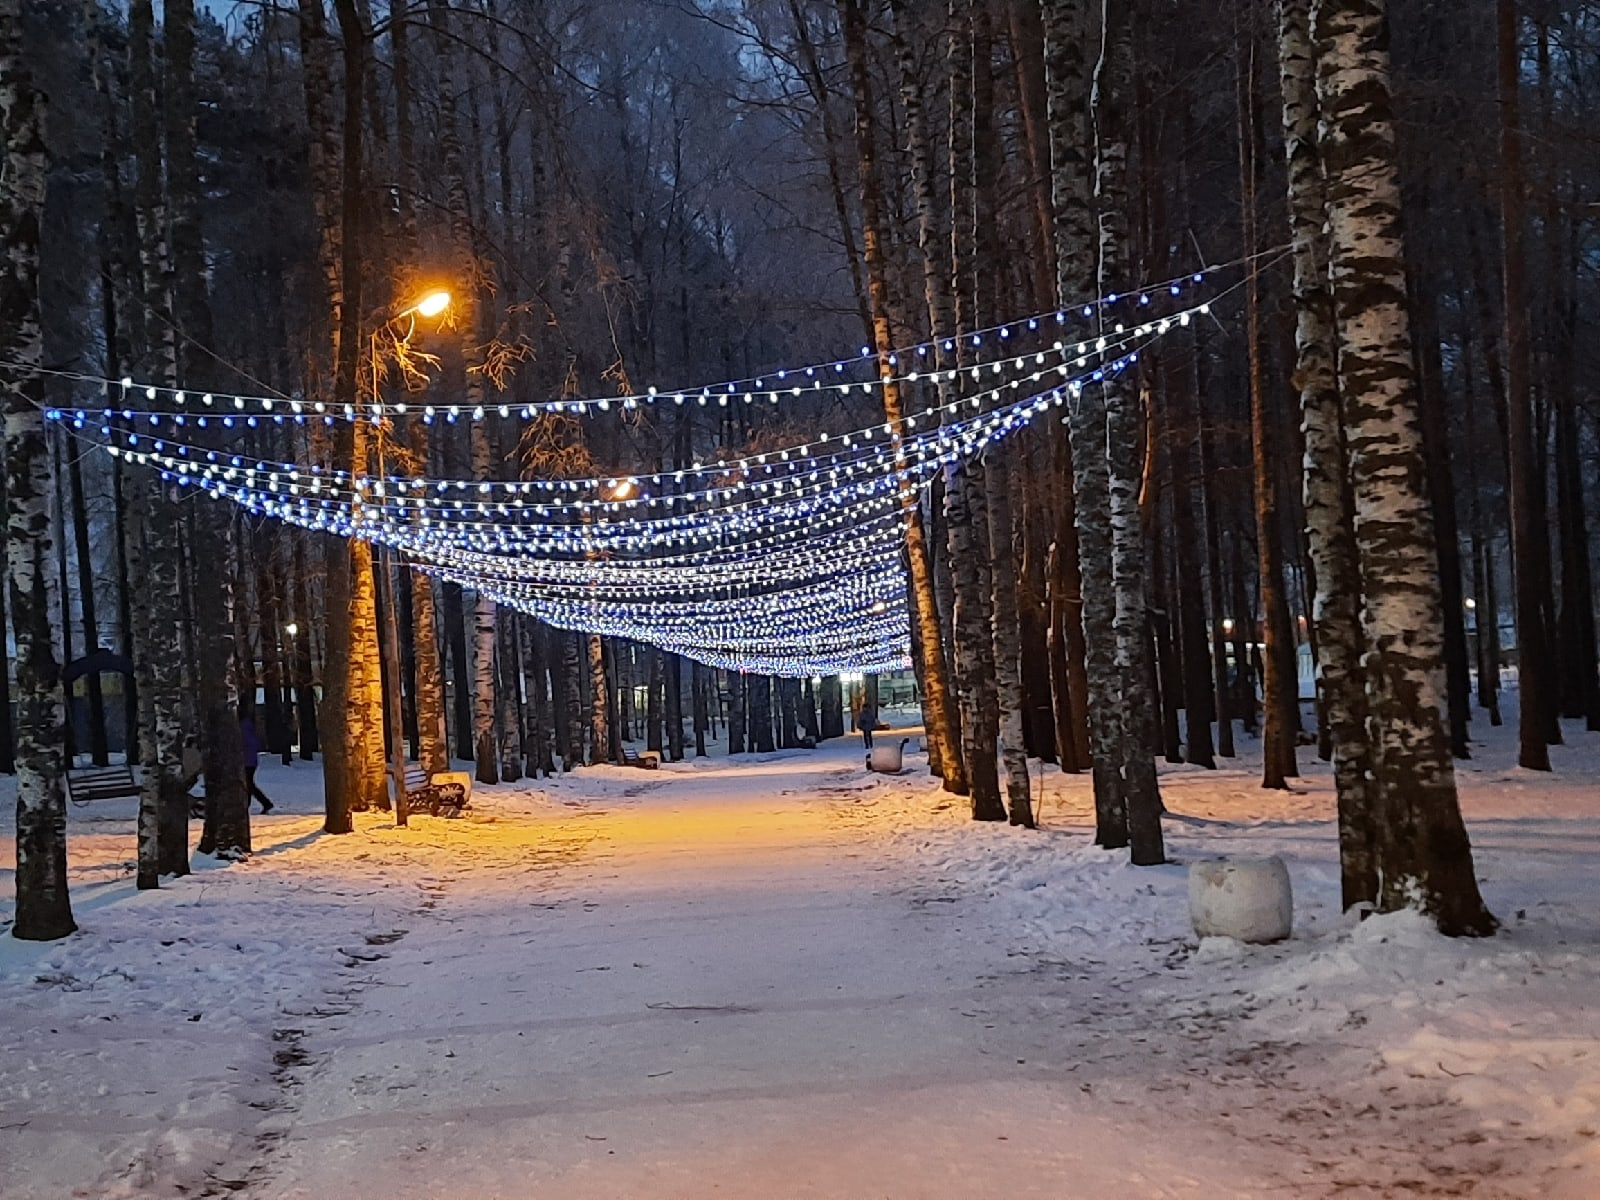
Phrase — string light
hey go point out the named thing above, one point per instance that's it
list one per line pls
(787, 562)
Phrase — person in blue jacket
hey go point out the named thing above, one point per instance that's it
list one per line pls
(252, 759)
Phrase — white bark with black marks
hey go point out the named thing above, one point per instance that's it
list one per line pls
(43, 911)
(1423, 856)
(1330, 532)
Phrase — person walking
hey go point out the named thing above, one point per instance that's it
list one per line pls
(866, 713)
(252, 759)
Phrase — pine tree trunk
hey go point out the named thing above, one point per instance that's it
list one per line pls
(674, 685)
(963, 754)
(574, 660)
(1067, 27)
(831, 702)
(455, 633)
(226, 833)
(1530, 548)
(737, 681)
(938, 702)
(653, 692)
(759, 713)
(697, 688)
(1442, 500)
(99, 751)
(508, 698)
(1222, 691)
(1198, 706)
(1279, 689)
(1069, 685)
(1330, 531)
(1423, 856)
(305, 692)
(43, 911)
(160, 652)
(1119, 396)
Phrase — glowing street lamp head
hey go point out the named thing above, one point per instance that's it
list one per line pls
(433, 304)
(291, 629)
(622, 489)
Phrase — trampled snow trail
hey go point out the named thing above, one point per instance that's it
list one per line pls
(715, 987)
(782, 977)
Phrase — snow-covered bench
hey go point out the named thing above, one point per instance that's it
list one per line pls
(446, 792)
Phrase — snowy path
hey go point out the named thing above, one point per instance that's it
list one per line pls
(784, 978)
(722, 991)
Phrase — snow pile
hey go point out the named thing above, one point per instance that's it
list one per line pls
(1247, 899)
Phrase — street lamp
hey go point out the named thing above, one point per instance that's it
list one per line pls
(291, 629)
(430, 305)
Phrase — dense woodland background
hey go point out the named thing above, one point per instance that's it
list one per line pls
(626, 193)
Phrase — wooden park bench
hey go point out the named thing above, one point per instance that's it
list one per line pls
(87, 784)
(648, 761)
(444, 794)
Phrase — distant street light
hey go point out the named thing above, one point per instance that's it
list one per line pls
(291, 629)
(621, 489)
(1471, 603)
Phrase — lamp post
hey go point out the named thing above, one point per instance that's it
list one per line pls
(432, 304)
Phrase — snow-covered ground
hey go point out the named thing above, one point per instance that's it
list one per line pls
(778, 976)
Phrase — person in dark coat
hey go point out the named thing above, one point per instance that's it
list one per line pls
(866, 713)
(252, 759)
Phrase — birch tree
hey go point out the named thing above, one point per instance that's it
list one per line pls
(1337, 603)
(43, 911)
(1142, 796)
(1067, 31)
(1423, 856)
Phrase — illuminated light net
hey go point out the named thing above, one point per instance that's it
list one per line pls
(785, 563)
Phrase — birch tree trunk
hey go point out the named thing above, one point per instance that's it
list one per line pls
(599, 738)
(1336, 607)
(1067, 76)
(469, 317)
(43, 911)
(1004, 618)
(1113, 84)
(966, 488)
(1423, 856)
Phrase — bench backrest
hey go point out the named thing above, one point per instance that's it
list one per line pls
(101, 783)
